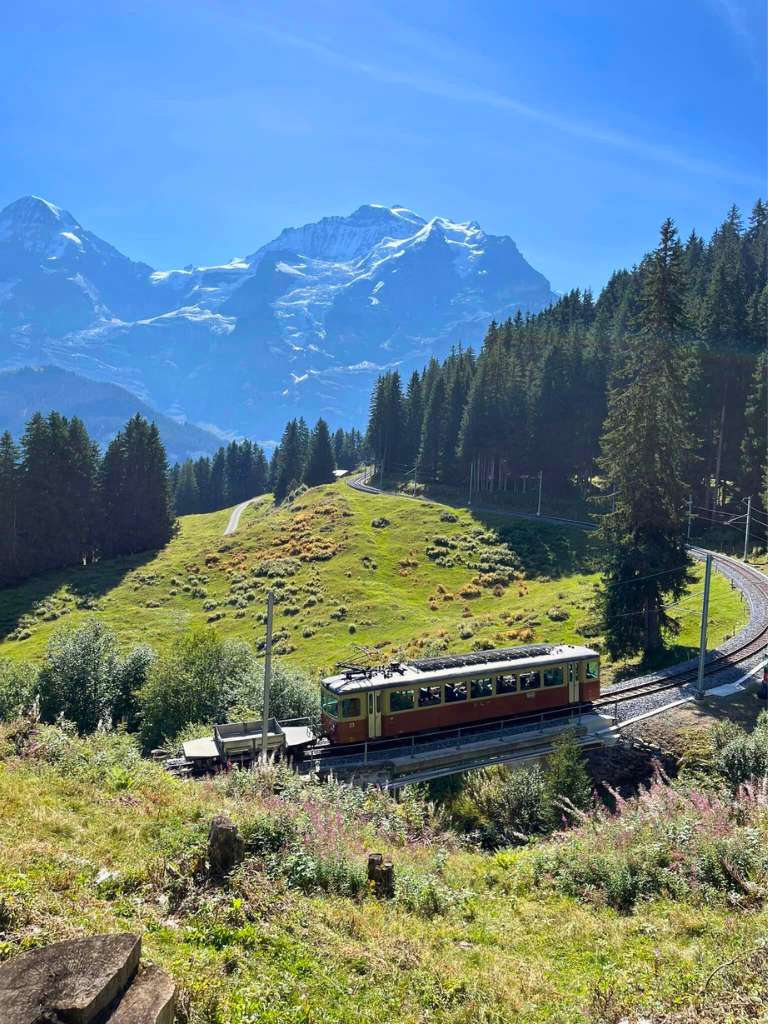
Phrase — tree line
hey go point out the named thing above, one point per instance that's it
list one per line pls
(653, 393)
(536, 397)
(63, 504)
(241, 470)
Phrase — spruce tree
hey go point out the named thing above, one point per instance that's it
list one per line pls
(289, 461)
(218, 482)
(754, 458)
(187, 496)
(9, 495)
(433, 434)
(320, 463)
(644, 450)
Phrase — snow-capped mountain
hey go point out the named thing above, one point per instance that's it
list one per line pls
(300, 325)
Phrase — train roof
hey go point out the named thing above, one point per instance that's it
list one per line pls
(453, 666)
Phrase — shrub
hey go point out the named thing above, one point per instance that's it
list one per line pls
(268, 833)
(503, 805)
(18, 687)
(558, 614)
(80, 676)
(566, 778)
(196, 681)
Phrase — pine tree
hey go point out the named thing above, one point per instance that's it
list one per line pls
(187, 496)
(202, 470)
(134, 489)
(218, 484)
(754, 464)
(385, 435)
(259, 471)
(37, 499)
(433, 434)
(9, 495)
(644, 449)
(414, 419)
(320, 464)
(289, 461)
(79, 495)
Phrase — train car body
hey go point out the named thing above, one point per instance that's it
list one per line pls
(432, 693)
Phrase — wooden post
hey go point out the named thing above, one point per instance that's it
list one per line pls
(381, 876)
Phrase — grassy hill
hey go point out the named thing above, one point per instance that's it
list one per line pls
(654, 913)
(348, 569)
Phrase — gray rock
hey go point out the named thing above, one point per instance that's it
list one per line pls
(151, 999)
(71, 981)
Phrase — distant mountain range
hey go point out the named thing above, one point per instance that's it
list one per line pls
(301, 325)
(104, 408)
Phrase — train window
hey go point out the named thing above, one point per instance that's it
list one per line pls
(454, 692)
(482, 688)
(593, 669)
(553, 676)
(350, 707)
(529, 680)
(506, 684)
(401, 700)
(573, 673)
(329, 704)
(429, 695)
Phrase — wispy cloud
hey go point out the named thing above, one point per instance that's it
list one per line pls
(443, 88)
(746, 23)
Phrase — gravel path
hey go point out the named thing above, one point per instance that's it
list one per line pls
(234, 519)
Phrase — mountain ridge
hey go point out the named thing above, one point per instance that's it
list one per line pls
(301, 323)
(104, 408)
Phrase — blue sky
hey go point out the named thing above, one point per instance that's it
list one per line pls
(191, 132)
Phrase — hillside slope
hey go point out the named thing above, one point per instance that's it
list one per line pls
(426, 577)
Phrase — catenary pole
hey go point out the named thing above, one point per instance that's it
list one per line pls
(267, 676)
(690, 516)
(703, 636)
(538, 508)
(746, 528)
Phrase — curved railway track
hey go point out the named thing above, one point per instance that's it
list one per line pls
(751, 641)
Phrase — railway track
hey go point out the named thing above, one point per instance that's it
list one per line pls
(752, 640)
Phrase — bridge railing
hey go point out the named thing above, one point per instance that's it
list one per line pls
(371, 752)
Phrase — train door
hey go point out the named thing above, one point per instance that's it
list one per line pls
(374, 715)
(573, 682)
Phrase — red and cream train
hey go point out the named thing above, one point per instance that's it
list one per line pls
(419, 696)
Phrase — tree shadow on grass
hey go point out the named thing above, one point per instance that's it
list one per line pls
(85, 585)
(544, 549)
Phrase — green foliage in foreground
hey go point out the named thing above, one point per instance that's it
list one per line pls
(654, 911)
(505, 806)
(202, 679)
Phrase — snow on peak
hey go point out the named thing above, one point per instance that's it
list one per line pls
(35, 223)
(345, 239)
